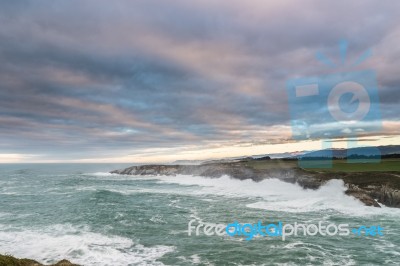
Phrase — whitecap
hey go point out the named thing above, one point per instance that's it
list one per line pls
(79, 245)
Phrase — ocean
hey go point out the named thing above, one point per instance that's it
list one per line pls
(82, 213)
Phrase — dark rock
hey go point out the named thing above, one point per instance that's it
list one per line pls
(7, 260)
(366, 186)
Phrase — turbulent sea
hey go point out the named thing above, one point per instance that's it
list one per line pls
(81, 213)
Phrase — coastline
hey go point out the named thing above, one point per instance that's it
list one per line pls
(371, 188)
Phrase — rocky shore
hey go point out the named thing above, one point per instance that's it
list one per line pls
(371, 188)
(7, 260)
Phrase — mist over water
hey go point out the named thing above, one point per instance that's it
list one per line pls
(82, 213)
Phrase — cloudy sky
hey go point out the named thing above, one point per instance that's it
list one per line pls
(144, 81)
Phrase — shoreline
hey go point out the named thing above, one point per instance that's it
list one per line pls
(371, 188)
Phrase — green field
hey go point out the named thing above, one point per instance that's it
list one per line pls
(386, 165)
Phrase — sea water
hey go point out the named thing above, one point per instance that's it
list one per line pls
(82, 213)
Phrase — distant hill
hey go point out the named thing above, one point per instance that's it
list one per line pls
(391, 151)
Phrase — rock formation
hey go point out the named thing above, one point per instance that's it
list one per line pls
(371, 188)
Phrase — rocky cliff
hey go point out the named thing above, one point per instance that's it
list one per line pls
(371, 187)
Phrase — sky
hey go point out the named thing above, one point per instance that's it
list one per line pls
(158, 81)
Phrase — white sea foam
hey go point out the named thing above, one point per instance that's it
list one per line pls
(102, 174)
(118, 177)
(78, 245)
(277, 195)
(269, 194)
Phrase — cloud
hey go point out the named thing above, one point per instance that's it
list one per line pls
(346, 131)
(98, 78)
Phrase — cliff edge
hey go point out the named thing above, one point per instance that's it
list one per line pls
(371, 188)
